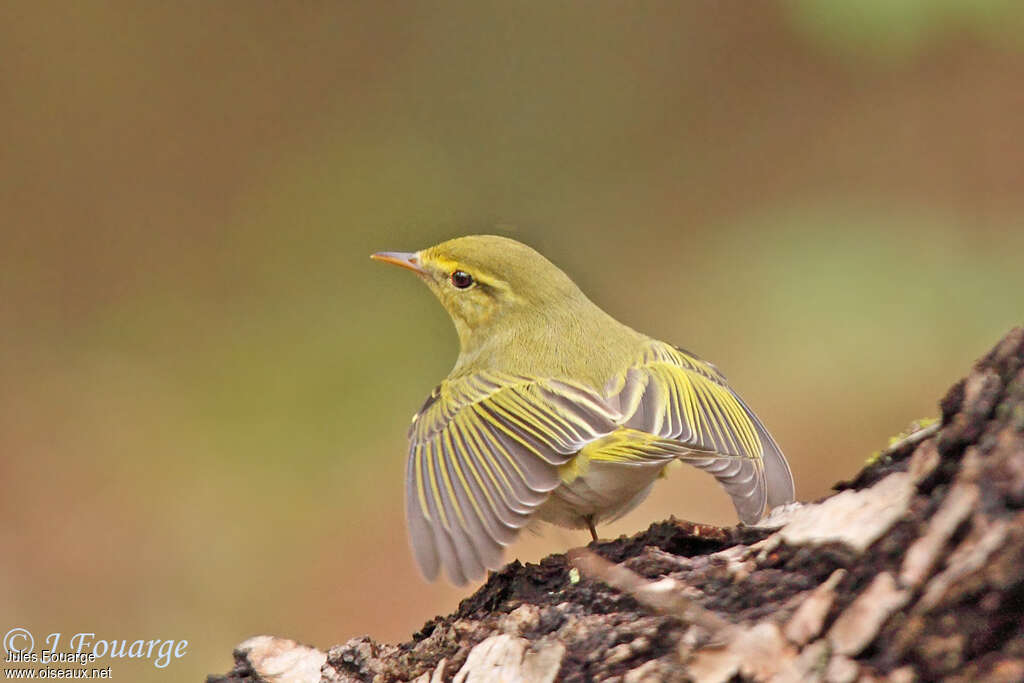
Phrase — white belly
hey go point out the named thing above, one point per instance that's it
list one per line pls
(604, 492)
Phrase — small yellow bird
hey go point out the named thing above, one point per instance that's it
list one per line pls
(556, 411)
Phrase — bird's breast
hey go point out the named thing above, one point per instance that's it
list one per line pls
(607, 478)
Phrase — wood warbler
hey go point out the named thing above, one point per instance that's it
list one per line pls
(556, 411)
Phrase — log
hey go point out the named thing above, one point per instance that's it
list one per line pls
(913, 570)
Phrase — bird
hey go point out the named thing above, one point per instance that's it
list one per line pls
(557, 412)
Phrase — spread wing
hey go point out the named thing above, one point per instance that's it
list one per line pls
(484, 454)
(676, 396)
(485, 450)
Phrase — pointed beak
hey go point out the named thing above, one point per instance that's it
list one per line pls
(406, 259)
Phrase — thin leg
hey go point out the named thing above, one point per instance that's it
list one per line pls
(590, 525)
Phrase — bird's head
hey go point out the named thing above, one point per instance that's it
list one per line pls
(484, 280)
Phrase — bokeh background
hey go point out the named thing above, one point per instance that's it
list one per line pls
(205, 383)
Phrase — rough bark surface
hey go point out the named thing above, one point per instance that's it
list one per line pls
(913, 570)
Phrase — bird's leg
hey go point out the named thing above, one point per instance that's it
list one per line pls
(589, 519)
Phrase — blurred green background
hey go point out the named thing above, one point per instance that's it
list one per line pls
(205, 383)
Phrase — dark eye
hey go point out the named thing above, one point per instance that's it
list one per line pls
(462, 279)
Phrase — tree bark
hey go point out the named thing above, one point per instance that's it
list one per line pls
(913, 570)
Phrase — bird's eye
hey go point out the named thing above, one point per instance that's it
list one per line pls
(461, 279)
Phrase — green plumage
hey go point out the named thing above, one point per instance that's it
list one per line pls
(557, 411)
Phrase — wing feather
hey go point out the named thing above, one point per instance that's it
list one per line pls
(678, 397)
(435, 513)
(426, 554)
(484, 454)
(485, 450)
(482, 492)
